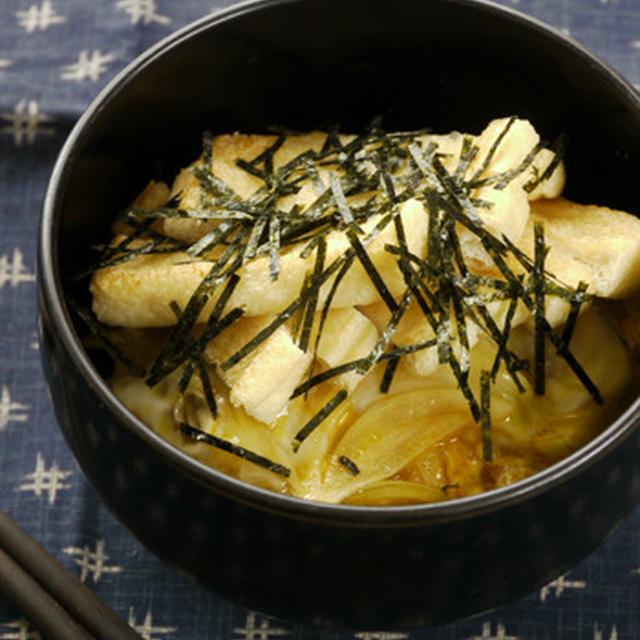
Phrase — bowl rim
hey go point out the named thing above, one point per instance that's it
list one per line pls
(50, 286)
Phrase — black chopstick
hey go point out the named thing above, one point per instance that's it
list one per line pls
(37, 606)
(49, 595)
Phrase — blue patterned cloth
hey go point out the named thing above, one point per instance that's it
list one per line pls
(54, 57)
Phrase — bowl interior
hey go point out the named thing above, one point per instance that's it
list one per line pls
(444, 64)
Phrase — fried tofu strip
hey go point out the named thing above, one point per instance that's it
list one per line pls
(603, 242)
(509, 209)
(138, 292)
(263, 382)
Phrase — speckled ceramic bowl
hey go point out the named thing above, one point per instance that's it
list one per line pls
(308, 63)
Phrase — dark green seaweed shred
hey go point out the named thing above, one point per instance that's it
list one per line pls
(433, 231)
(312, 301)
(342, 206)
(211, 239)
(485, 416)
(326, 307)
(504, 337)
(255, 237)
(349, 465)
(207, 148)
(153, 243)
(540, 252)
(360, 364)
(300, 312)
(559, 148)
(207, 389)
(502, 180)
(319, 417)
(550, 334)
(208, 438)
(149, 248)
(215, 325)
(213, 186)
(577, 301)
(386, 334)
(284, 315)
(467, 154)
(332, 141)
(319, 378)
(456, 191)
(493, 148)
(389, 372)
(266, 156)
(371, 270)
(274, 247)
(173, 353)
(512, 362)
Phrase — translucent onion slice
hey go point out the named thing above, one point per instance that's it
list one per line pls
(389, 435)
(394, 492)
(312, 458)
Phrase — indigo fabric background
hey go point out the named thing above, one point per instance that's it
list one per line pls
(55, 55)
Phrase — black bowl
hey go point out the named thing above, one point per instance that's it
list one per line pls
(447, 64)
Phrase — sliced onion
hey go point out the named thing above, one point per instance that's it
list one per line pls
(389, 435)
(394, 492)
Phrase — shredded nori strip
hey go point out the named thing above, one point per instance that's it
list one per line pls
(343, 207)
(387, 334)
(371, 270)
(327, 303)
(246, 454)
(501, 180)
(215, 187)
(313, 423)
(349, 465)
(209, 240)
(172, 353)
(155, 243)
(215, 325)
(151, 247)
(577, 301)
(265, 157)
(255, 236)
(319, 378)
(389, 372)
(502, 344)
(539, 309)
(363, 364)
(312, 302)
(207, 148)
(274, 247)
(559, 148)
(467, 154)
(485, 416)
(494, 147)
(549, 333)
(207, 389)
(457, 192)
